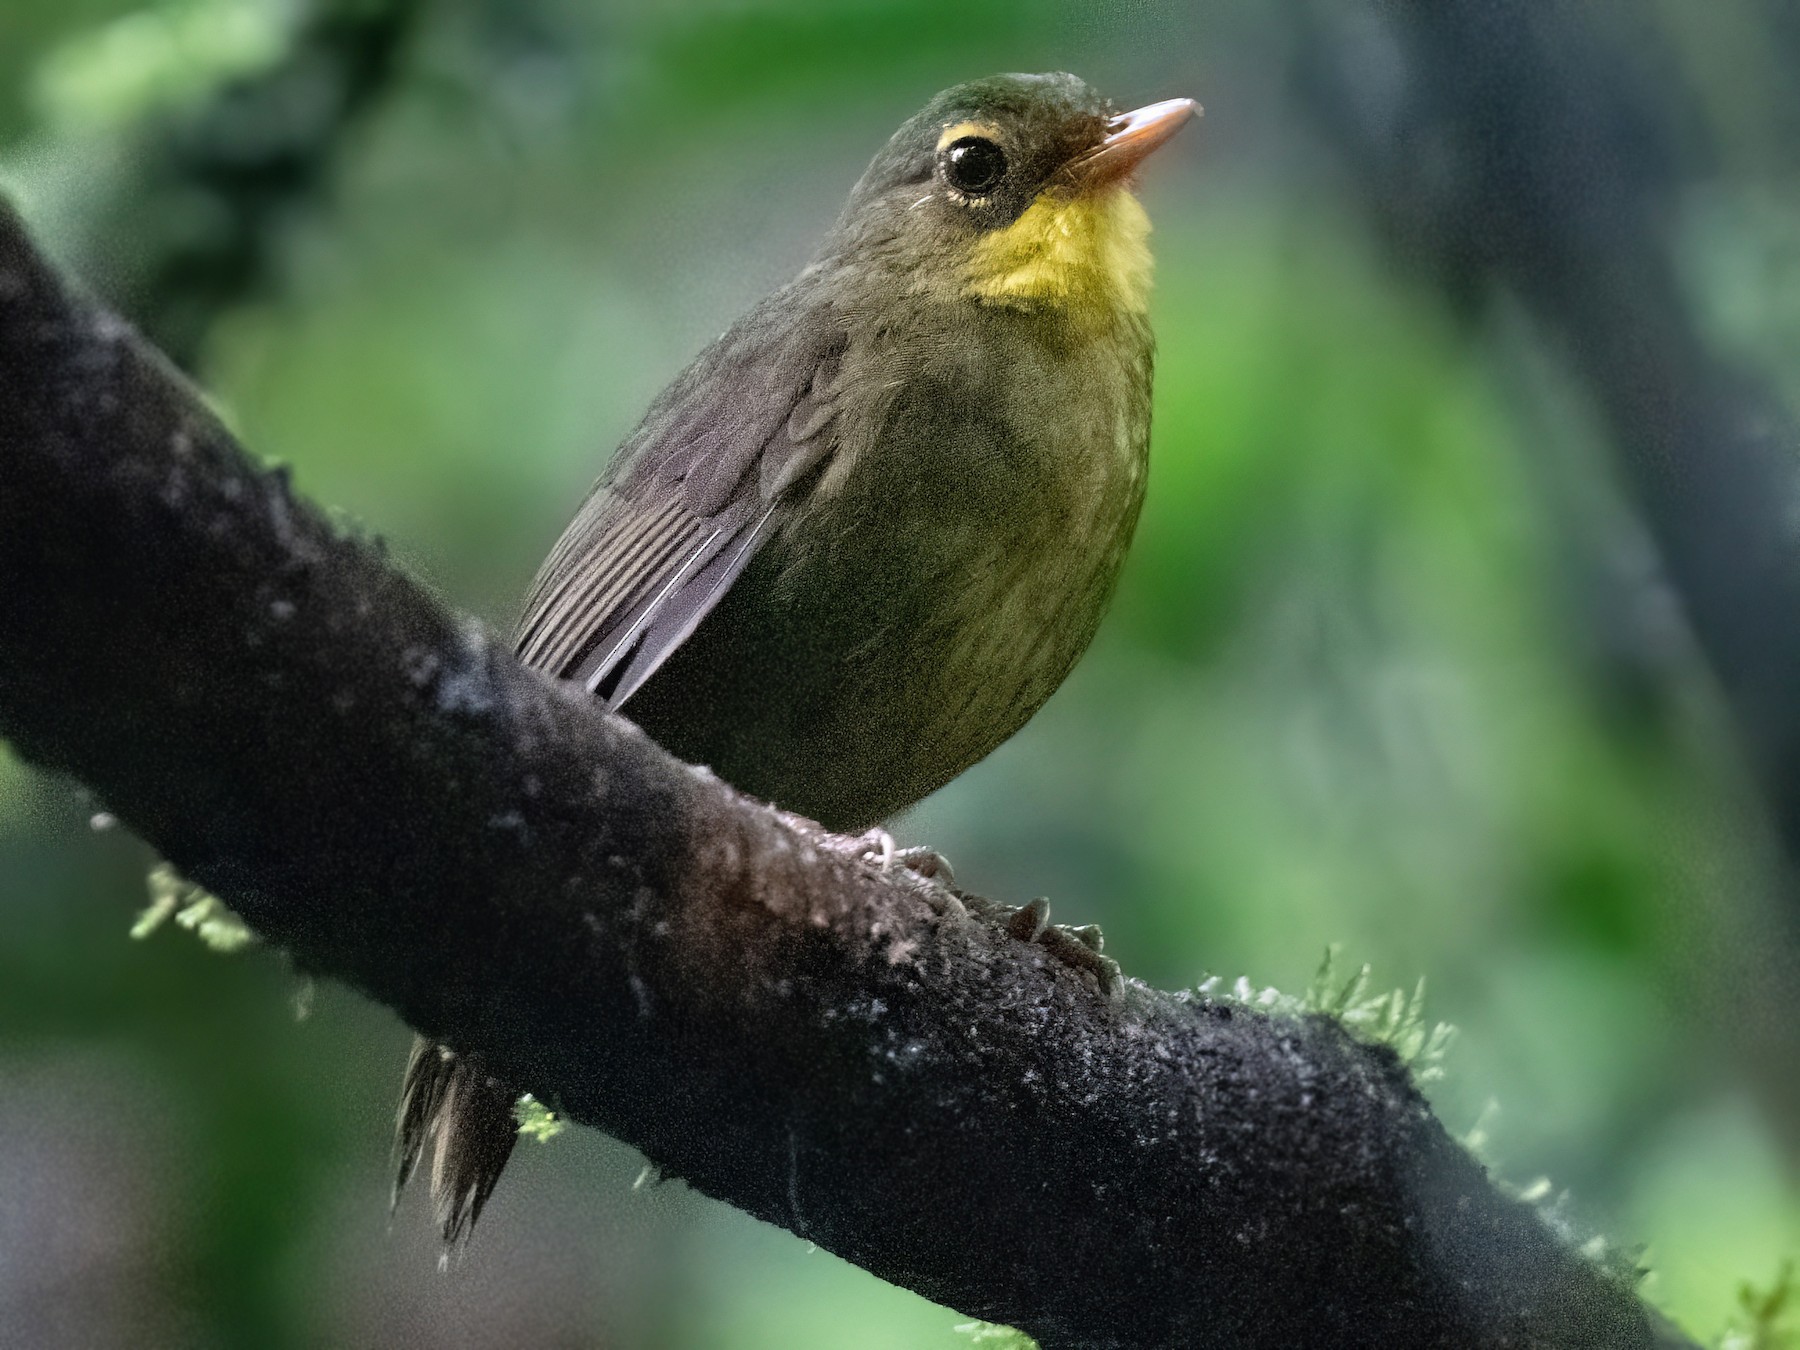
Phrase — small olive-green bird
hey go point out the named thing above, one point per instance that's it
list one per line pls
(865, 535)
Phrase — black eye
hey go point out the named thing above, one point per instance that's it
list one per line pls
(974, 165)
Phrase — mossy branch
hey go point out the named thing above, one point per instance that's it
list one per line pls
(861, 1057)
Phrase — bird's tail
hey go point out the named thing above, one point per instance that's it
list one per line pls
(449, 1105)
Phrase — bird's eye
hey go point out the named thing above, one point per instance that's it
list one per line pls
(974, 165)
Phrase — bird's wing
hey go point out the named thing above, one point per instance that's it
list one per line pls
(688, 499)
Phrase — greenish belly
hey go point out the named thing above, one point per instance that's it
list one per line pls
(892, 640)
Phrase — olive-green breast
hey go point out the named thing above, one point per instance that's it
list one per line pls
(931, 589)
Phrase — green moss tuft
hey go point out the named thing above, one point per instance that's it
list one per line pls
(172, 896)
(995, 1337)
(1769, 1319)
(537, 1121)
(1392, 1017)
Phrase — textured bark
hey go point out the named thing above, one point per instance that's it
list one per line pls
(866, 1059)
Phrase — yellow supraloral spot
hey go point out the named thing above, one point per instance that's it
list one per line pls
(1086, 252)
(956, 131)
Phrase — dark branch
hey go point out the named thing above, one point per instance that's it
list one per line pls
(859, 1058)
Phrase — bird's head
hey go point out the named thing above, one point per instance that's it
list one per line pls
(1013, 190)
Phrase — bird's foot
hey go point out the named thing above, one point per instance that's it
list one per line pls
(877, 846)
(1079, 948)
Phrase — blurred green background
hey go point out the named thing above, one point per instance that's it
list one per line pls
(1349, 692)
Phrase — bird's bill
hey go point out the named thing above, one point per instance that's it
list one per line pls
(1130, 137)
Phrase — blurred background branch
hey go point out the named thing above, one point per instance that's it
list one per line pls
(1511, 148)
(222, 122)
(1537, 156)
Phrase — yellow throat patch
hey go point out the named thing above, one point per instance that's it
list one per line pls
(1087, 252)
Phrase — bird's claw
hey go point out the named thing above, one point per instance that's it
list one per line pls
(878, 847)
(925, 862)
(1079, 948)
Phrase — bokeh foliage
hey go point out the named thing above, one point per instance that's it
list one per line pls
(1349, 692)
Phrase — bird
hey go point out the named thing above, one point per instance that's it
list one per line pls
(865, 535)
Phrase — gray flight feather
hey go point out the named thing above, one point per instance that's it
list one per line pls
(686, 502)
